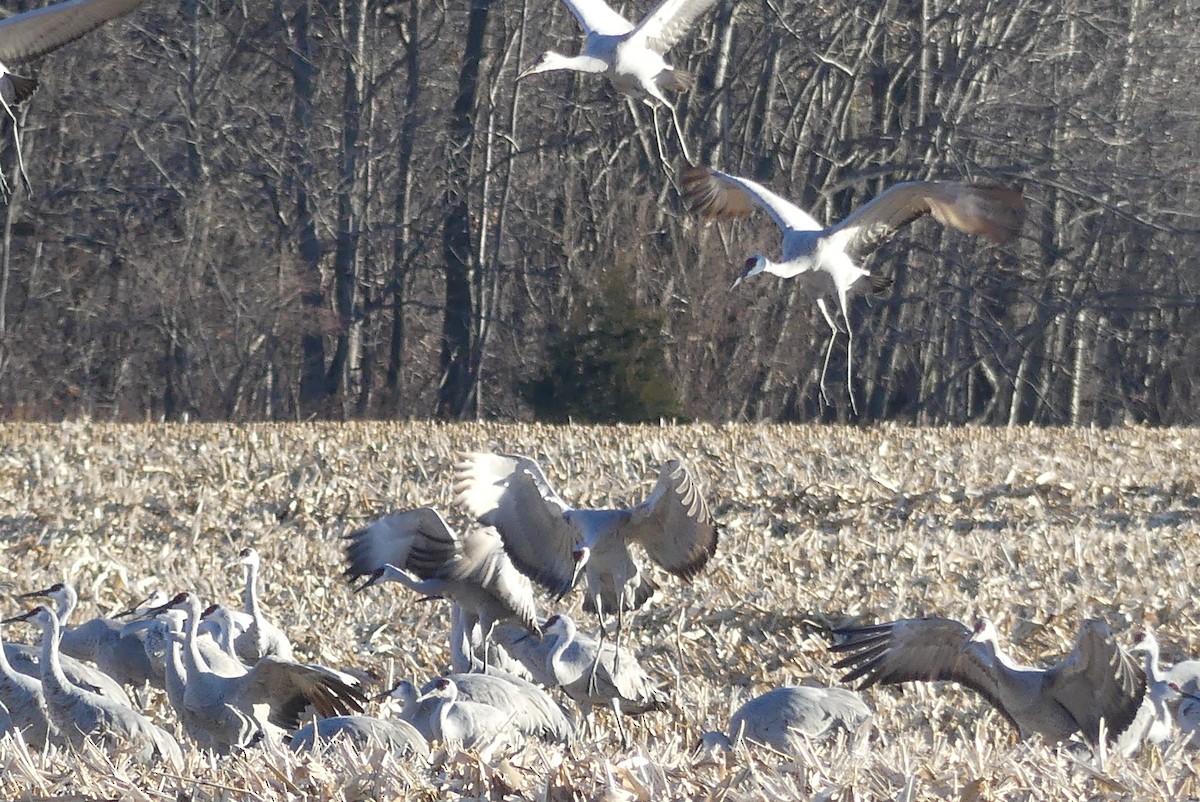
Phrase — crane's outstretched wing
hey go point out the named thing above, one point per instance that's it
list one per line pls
(416, 540)
(669, 21)
(1098, 680)
(988, 210)
(674, 524)
(915, 650)
(287, 688)
(509, 492)
(595, 16)
(24, 37)
(712, 193)
(485, 561)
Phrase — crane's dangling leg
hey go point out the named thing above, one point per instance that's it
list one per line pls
(662, 154)
(679, 132)
(833, 333)
(842, 301)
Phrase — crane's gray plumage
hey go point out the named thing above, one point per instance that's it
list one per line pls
(471, 651)
(118, 650)
(784, 718)
(261, 638)
(25, 37)
(418, 549)
(590, 672)
(552, 542)
(533, 712)
(394, 735)
(1096, 682)
(826, 258)
(463, 723)
(22, 695)
(83, 716)
(232, 712)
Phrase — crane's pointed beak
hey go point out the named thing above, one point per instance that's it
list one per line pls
(35, 594)
(25, 616)
(736, 282)
(135, 609)
(372, 580)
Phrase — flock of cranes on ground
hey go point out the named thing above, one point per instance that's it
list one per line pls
(233, 680)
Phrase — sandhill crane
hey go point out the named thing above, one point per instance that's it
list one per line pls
(394, 735)
(418, 549)
(1171, 691)
(22, 695)
(1097, 682)
(227, 713)
(630, 55)
(117, 650)
(826, 259)
(553, 542)
(472, 652)
(532, 710)
(82, 716)
(784, 718)
(26, 660)
(466, 724)
(590, 672)
(261, 638)
(1154, 721)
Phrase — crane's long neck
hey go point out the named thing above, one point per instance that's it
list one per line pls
(193, 661)
(554, 659)
(1153, 670)
(52, 670)
(225, 635)
(68, 600)
(251, 594)
(443, 714)
(6, 669)
(175, 669)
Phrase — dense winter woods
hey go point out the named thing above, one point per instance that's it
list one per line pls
(288, 209)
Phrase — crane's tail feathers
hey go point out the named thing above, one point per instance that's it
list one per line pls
(674, 80)
(879, 283)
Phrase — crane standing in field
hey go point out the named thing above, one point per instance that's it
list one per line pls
(116, 649)
(81, 715)
(631, 55)
(1096, 687)
(261, 638)
(827, 259)
(554, 543)
(590, 672)
(228, 712)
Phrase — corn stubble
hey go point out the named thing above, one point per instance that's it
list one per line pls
(821, 526)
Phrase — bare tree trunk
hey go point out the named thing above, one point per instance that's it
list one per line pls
(458, 315)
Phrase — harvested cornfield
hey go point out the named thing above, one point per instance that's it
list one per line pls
(1039, 528)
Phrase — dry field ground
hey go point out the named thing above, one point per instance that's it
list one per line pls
(1038, 528)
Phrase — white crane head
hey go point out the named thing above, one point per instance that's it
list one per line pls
(1144, 641)
(443, 688)
(41, 615)
(385, 573)
(247, 557)
(754, 265)
(403, 692)
(549, 62)
(581, 555)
